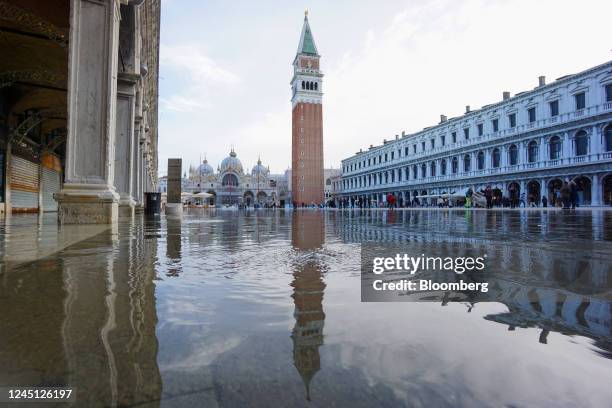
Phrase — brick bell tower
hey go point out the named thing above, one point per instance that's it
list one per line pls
(307, 122)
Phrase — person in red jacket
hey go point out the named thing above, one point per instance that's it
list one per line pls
(390, 200)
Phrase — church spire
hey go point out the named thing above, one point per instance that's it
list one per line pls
(307, 44)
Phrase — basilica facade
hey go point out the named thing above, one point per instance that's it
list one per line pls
(230, 184)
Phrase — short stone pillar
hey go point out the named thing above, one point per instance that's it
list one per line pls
(174, 204)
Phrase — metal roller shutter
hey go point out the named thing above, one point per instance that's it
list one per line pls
(50, 185)
(24, 185)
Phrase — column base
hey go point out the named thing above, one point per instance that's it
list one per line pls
(139, 208)
(87, 204)
(174, 209)
(126, 207)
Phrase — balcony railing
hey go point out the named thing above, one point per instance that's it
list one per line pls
(561, 118)
(580, 159)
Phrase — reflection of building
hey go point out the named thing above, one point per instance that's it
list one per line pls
(540, 281)
(232, 185)
(95, 331)
(524, 145)
(307, 122)
(308, 286)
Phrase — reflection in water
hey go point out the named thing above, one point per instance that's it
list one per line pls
(307, 234)
(173, 245)
(85, 318)
(203, 305)
(542, 283)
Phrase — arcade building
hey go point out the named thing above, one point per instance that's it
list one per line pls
(523, 146)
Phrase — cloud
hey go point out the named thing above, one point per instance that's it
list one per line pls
(181, 103)
(435, 57)
(192, 61)
(203, 74)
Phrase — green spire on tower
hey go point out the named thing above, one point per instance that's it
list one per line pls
(307, 44)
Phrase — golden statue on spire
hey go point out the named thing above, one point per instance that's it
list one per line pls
(306, 13)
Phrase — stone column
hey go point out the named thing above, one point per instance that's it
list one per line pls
(595, 142)
(136, 158)
(543, 145)
(124, 144)
(544, 191)
(595, 190)
(567, 147)
(88, 195)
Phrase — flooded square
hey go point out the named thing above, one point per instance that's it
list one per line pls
(263, 308)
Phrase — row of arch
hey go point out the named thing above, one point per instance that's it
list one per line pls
(555, 145)
(534, 191)
(310, 86)
(580, 141)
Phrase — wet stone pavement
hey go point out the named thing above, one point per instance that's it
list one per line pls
(262, 308)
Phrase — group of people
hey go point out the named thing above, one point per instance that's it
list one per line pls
(565, 197)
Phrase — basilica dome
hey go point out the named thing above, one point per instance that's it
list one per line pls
(231, 163)
(259, 169)
(205, 169)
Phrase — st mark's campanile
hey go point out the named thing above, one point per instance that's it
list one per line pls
(307, 122)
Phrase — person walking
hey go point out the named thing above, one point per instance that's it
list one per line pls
(544, 201)
(390, 200)
(573, 194)
(566, 193)
(488, 193)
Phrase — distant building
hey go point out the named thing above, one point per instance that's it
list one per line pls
(230, 184)
(525, 146)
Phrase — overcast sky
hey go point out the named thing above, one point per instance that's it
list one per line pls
(389, 66)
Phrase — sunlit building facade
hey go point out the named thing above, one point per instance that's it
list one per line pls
(525, 146)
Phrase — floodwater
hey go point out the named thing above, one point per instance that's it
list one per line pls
(263, 309)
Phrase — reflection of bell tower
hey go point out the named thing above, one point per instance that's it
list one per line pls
(308, 287)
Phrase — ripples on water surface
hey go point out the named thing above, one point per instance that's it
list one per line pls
(263, 309)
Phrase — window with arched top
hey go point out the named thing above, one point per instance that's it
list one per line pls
(303, 85)
(467, 163)
(432, 169)
(443, 167)
(532, 151)
(513, 155)
(480, 160)
(316, 86)
(454, 165)
(496, 158)
(414, 171)
(554, 148)
(582, 143)
(229, 180)
(608, 138)
(423, 170)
